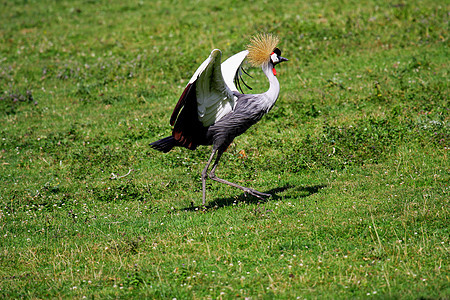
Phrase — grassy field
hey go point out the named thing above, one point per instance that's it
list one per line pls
(355, 153)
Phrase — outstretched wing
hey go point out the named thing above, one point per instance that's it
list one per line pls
(207, 97)
(214, 87)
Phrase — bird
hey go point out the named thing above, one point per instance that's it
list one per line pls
(212, 111)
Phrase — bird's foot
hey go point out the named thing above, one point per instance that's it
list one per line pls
(257, 194)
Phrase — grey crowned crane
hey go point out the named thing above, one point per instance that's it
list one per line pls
(211, 111)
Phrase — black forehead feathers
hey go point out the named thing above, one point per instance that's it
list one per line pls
(277, 51)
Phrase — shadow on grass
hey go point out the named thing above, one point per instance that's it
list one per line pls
(301, 192)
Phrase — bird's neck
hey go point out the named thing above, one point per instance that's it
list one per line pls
(274, 88)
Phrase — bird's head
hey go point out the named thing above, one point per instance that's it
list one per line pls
(263, 50)
(276, 57)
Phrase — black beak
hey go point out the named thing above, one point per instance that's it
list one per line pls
(281, 58)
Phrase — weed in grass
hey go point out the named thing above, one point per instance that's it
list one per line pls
(10, 101)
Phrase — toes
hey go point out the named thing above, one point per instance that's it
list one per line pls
(263, 194)
(257, 194)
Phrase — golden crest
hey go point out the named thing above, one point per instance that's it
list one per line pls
(260, 48)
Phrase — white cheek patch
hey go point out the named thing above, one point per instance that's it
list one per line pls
(274, 58)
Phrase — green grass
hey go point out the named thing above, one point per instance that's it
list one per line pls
(355, 152)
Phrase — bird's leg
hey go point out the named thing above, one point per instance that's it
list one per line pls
(246, 190)
(204, 174)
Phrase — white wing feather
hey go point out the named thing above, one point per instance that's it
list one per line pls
(231, 66)
(214, 86)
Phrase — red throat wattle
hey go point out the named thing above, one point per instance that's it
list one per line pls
(274, 72)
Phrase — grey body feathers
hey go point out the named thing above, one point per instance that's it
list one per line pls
(247, 112)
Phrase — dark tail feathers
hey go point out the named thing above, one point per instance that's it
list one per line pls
(164, 145)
